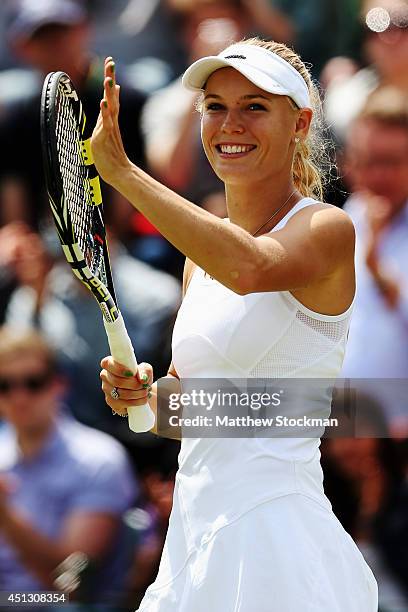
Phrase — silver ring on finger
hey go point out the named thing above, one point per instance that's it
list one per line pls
(115, 393)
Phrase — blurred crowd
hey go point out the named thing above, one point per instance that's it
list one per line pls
(84, 503)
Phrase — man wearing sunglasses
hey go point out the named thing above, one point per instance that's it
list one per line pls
(63, 486)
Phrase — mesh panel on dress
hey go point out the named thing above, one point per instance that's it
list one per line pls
(333, 330)
(306, 342)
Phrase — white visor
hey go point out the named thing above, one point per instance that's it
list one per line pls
(263, 68)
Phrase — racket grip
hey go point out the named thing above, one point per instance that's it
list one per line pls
(141, 418)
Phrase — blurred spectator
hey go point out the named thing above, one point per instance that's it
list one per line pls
(393, 538)
(320, 30)
(385, 47)
(63, 486)
(158, 490)
(50, 298)
(377, 171)
(50, 35)
(142, 239)
(143, 34)
(170, 121)
(364, 480)
(14, 238)
(25, 261)
(6, 61)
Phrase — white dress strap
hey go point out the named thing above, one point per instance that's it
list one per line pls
(303, 203)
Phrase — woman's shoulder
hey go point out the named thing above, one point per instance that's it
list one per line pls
(323, 214)
(324, 224)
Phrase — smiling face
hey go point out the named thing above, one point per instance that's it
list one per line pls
(246, 131)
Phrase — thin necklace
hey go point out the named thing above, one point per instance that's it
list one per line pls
(274, 214)
(267, 221)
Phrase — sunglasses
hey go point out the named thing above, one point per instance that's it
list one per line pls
(32, 384)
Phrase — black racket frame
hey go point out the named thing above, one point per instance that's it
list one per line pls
(104, 292)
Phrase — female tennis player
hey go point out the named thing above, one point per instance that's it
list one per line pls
(268, 294)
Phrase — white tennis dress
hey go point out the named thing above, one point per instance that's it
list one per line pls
(251, 529)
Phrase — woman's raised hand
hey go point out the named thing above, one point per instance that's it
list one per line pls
(122, 389)
(108, 152)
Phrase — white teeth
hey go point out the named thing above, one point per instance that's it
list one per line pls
(235, 149)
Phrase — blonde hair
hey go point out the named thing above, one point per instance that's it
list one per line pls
(312, 159)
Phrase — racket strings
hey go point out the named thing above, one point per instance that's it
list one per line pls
(84, 215)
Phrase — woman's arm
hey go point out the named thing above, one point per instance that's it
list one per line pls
(303, 253)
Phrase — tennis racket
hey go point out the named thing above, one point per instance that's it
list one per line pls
(76, 204)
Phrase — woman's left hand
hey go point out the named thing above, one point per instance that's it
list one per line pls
(108, 152)
(131, 390)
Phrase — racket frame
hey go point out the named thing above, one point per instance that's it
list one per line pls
(141, 418)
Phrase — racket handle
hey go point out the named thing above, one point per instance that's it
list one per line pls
(141, 418)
